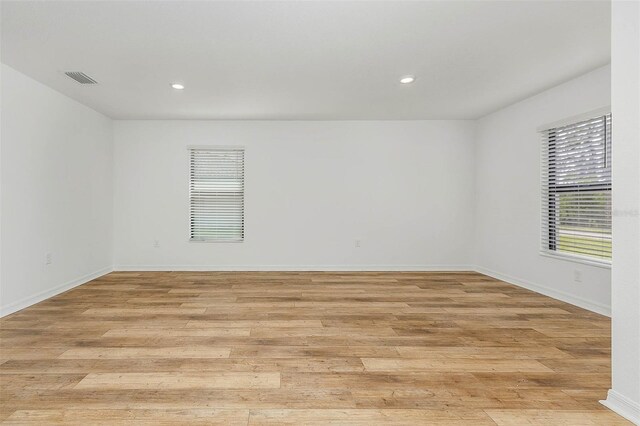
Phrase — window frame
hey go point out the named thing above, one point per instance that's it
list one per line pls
(191, 148)
(549, 248)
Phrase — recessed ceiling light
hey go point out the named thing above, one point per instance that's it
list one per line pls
(407, 79)
(177, 86)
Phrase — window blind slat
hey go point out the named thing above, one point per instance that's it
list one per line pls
(576, 189)
(216, 194)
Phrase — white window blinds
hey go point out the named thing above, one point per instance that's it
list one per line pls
(576, 189)
(216, 194)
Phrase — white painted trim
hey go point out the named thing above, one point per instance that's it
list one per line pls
(216, 147)
(576, 118)
(380, 268)
(583, 303)
(565, 297)
(560, 295)
(576, 259)
(622, 405)
(39, 297)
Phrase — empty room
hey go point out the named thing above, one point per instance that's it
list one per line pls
(320, 212)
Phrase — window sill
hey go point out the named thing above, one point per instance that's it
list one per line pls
(577, 259)
(216, 241)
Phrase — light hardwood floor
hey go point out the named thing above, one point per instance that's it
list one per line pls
(304, 348)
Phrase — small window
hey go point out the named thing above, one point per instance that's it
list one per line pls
(576, 190)
(216, 194)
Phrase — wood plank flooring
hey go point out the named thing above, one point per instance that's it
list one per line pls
(241, 348)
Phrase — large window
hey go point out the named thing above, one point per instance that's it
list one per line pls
(216, 194)
(576, 189)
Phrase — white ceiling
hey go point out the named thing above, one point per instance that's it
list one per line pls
(304, 59)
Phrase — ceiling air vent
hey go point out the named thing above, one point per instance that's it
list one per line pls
(81, 77)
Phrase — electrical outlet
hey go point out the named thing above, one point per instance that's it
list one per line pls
(358, 243)
(577, 276)
(156, 243)
(48, 259)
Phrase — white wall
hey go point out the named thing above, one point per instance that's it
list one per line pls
(415, 193)
(624, 397)
(508, 194)
(1, 72)
(56, 192)
(404, 188)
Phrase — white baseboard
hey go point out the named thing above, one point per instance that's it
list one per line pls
(39, 297)
(293, 268)
(560, 295)
(622, 405)
(31, 300)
